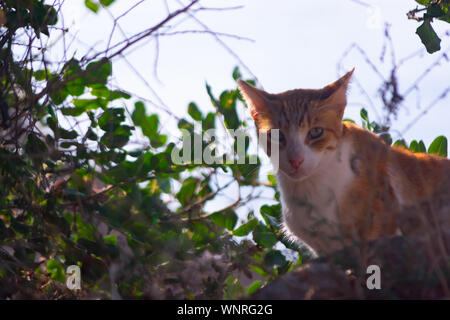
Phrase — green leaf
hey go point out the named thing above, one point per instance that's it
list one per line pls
(50, 15)
(209, 121)
(375, 127)
(246, 228)
(424, 2)
(111, 239)
(434, 11)
(187, 191)
(429, 37)
(247, 172)
(233, 288)
(34, 146)
(139, 113)
(386, 138)
(51, 111)
(264, 237)
(227, 107)
(236, 73)
(272, 179)
(56, 270)
(364, 115)
(259, 270)
(74, 112)
(194, 112)
(91, 5)
(446, 8)
(149, 125)
(102, 91)
(211, 96)
(225, 219)
(111, 119)
(66, 134)
(118, 137)
(163, 159)
(59, 96)
(158, 141)
(90, 104)
(91, 135)
(275, 258)
(117, 94)
(68, 144)
(106, 3)
(98, 72)
(401, 143)
(439, 146)
(274, 211)
(421, 147)
(40, 75)
(42, 16)
(75, 87)
(164, 184)
(414, 146)
(255, 286)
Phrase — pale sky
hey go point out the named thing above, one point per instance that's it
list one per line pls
(296, 44)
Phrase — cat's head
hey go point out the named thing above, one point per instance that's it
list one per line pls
(309, 123)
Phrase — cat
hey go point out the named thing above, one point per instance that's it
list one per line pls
(339, 183)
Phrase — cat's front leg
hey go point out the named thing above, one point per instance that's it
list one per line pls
(306, 225)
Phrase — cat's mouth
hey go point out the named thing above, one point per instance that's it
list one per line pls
(295, 174)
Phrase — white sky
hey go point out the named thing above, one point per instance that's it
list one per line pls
(297, 44)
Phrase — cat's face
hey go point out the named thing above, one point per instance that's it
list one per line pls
(309, 123)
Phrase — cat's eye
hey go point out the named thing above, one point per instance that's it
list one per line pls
(281, 138)
(315, 133)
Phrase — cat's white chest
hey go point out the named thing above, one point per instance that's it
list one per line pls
(311, 206)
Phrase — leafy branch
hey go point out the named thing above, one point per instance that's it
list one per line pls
(433, 9)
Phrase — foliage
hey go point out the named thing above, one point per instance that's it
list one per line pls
(82, 196)
(432, 10)
(438, 146)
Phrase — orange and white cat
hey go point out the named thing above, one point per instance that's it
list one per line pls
(338, 182)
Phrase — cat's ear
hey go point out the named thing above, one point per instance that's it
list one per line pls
(337, 93)
(255, 98)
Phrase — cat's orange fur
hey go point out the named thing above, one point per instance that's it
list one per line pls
(347, 175)
(417, 176)
(369, 206)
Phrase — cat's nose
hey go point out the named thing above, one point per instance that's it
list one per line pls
(295, 163)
